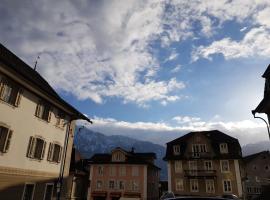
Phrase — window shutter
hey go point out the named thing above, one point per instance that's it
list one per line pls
(37, 109)
(1, 87)
(3, 138)
(8, 139)
(49, 157)
(50, 114)
(18, 98)
(60, 154)
(30, 147)
(43, 150)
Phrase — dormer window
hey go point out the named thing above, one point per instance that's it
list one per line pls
(118, 156)
(176, 150)
(223, 148)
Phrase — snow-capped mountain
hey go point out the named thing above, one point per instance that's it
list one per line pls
(89, 142)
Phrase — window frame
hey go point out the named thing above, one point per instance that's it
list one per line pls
(51, 152)
(46, 190)
(176, 149)
(205, 166)
(212, 186)
(15, 87)
(221, 166)
(31, 150)
(223, 148)
(46, 107)
(100, 170)
(122, 171)
(197, 184)
(178, 166)
(223, 184)
(101, 184)
(135, 170)
(181, 181)
(25, 184)
(7, 140)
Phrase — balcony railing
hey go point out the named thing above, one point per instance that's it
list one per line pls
(200, 154)
(200, 173)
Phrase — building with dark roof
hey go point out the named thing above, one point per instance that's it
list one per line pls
(125, 174)
(204, 163)
(36, 132)
(257, 174)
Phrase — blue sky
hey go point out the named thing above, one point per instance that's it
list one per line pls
(152, 70)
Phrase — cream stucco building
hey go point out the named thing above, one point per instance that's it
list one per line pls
(35, 125)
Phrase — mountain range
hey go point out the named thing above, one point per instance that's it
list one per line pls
(89, 142)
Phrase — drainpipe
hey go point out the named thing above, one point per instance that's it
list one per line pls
(256, 117)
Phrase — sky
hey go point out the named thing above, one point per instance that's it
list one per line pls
(151, 70)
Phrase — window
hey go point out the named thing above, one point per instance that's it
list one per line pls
(28, 191)
(197, 149)
(227, 186)
(178, 166)
(193, 167)
(118, 156)
(249, 189)
(194, 186)
(111, 184)
(5, 138)
(135, 171)
(121, 185)
(10, 92)
(60, 120)
(54, 153)
(36, 148)
(135, 185)
(223, 147)
(112, 170)
(100, 170)
(99, 184)
(224, 166)
(43, 111)
(48, 191)
(179, 185)
(210, 187)
(176, 149)
(208, 165)
(122, 170)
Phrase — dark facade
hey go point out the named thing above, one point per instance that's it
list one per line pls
(204, 163)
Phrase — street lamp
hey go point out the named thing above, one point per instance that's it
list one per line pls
(256, 117)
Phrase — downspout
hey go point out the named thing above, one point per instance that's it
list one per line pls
(256, 117)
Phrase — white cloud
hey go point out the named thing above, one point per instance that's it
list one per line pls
(246, 131)
(176, 69)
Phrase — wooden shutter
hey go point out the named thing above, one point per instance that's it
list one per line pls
(3, 138)
(18, 98)
(30, 147)
(37, 109)
(60, 154)
(43, 150)
(50, 113)
(1, 87)
(49, 157)
(8, 139)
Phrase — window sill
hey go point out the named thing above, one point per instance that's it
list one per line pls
(59, 127)
(52, 162)
(8, 104)
(35, 159)
(43, 120)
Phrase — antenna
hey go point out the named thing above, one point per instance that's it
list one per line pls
(35, 67)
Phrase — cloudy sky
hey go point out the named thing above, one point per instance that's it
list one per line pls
(152, 70)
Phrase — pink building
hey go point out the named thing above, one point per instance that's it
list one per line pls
(123, 174)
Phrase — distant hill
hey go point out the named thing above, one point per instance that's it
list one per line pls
(255, 147)
(89, 142)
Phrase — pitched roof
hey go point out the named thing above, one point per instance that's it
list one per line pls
(216, 137)
(267, 72)
(255, 155)
(16, 65)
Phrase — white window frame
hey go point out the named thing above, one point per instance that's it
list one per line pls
(223, 147)
(179, 184)
(101, 184)
(100, 170)
(205, 166)
(15, 91)
(221, 166)
(51, 152)
(223, 183)
(135, 185)
(196, 183)
(46, 190)
(31, 150)
(113, 185)
(211, 184)
(112, 170)
(135, 170)
(40, 114)
(176, 149)
(123, 184)
(178, 167)
(122, 171)
(29, 183)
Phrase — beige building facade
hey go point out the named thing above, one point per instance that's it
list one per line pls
(35, 126)
(204, 164)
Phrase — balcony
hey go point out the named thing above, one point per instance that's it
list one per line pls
(199, 155)
(200, 173)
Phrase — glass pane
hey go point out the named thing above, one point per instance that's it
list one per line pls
(49, 191)
(28, 192)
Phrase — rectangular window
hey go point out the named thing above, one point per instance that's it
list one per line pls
(227, 186)
(208, 165)
(112, 171)
(194, 186)
(100, 170)
(223, 147)
(43, 111)
(48, 191)
(111, 184)
(178, 166)
(36, 148)
(99, 184)
(176, 149)
(197, 149)
(122, 171)
(193, 167)
(5, 139)
(10, 92)
(135, 185)
(28, 191)
(224, 166)
(60, 120)
(210, 186)
(54, 153)
(121, 185)
(135, 171)
(179, 185)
